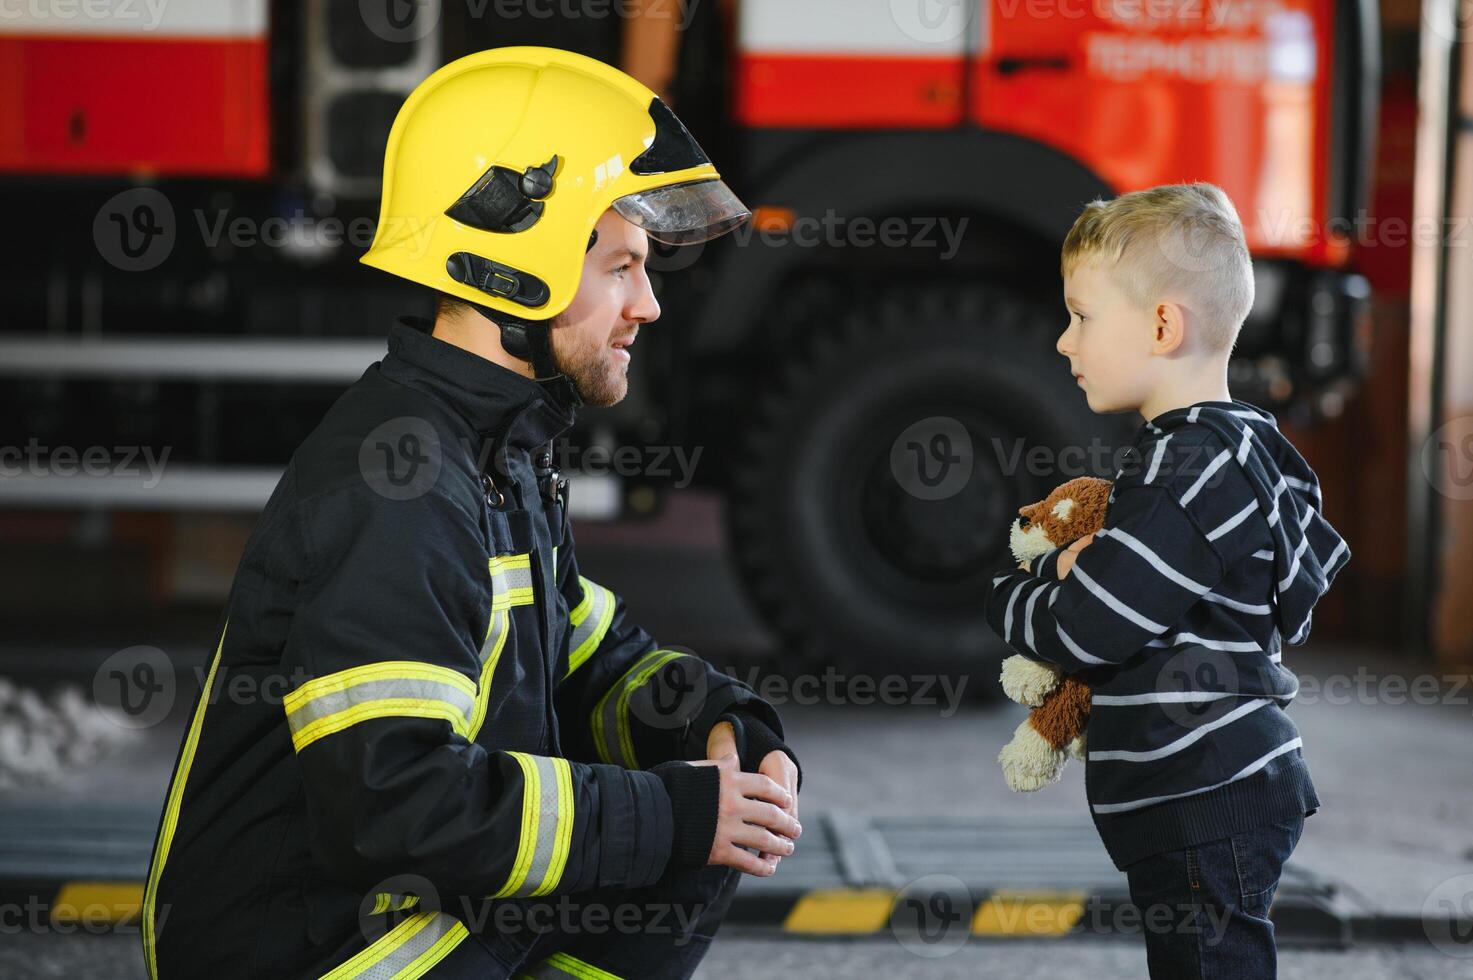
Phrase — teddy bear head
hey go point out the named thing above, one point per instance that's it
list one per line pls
(1074, 509)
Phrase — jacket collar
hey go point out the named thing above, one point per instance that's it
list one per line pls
(496, 401)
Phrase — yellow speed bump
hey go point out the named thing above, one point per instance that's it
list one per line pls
(841, 910)
(98, 902)
(1028, 913)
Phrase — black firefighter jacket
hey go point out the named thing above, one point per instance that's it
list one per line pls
(416, 692)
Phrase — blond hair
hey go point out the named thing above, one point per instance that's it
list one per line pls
(1178, 240)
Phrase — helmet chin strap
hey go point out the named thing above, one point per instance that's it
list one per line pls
(531, 341)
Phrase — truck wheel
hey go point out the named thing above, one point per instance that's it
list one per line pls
(883, 467)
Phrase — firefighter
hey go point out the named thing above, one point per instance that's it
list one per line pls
(427, 744)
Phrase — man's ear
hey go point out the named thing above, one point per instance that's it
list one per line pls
(1170, 327)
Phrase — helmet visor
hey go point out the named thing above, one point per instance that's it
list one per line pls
(684, 214)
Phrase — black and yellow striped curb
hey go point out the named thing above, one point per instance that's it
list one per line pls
(822, 912)
(860, 911)
(825, 912)
(1027, 913)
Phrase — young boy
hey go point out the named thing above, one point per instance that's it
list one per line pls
(1213, 553)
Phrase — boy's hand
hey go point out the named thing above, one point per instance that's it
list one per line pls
(757, 810)
(1071, 554)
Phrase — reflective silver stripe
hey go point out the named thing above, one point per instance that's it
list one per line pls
(494, 633)
(361, 693)
(511, 585)
(546, 827)
(547, 824)
(511, 580)
(590, 622)
(407, 950)
(393, 688)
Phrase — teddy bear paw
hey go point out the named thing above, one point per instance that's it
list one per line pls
(1028, 681)
(1028, 762)
(1076, 747)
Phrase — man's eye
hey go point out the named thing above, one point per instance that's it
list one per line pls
(622, 269)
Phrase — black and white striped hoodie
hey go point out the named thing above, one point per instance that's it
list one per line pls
(1214, 551)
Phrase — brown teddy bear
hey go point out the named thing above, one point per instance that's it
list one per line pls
(1054, 729)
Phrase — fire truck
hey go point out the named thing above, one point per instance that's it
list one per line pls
(865, 372)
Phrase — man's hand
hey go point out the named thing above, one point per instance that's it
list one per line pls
(753, 812)
(752, 799)
(721, 742)
(1071, 554)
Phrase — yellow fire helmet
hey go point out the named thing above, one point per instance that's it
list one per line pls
(500, 163)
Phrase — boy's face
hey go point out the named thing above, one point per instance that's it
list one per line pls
(1108, 342)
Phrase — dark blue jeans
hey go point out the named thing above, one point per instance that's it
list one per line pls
(1204, 909)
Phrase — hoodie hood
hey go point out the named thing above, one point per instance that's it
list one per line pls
(1307, 551)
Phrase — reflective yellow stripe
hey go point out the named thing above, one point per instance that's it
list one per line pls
(531, 793)
(387, 901)
(511, 577)
(560, 966)
(563, 834)
(496, 633)
(171, 812)
(547, 826)
(392, 688)
(590, 620)
(612, 738)
(511, 581)
(406, 951)
(626, 738)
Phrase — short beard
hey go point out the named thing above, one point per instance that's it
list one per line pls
(588, 370)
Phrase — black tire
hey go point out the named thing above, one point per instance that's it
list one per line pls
(857, 561)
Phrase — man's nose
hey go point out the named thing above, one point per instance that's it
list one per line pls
(643, 307)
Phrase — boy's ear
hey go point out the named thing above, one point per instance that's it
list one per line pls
(1170, 327)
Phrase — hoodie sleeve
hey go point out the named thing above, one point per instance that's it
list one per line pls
(1145, 568)
(1308, 554)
